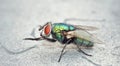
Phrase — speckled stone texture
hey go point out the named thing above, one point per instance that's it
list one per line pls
(19, 17)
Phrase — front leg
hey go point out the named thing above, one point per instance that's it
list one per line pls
(41, 38)
(36, 39)
(49, 39)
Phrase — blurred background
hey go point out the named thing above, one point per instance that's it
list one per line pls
(19, 17)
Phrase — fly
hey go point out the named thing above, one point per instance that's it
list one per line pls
(67, 34)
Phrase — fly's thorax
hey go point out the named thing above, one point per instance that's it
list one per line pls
(58, 28)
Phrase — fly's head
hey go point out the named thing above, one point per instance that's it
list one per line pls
(45, 30)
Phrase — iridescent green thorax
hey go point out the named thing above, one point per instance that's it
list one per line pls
(58, 27)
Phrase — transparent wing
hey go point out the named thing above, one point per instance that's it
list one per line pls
(84, 35)
(89, 28)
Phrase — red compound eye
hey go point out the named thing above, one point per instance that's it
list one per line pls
(47, 29)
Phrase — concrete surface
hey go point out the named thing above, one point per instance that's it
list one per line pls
(19, 17)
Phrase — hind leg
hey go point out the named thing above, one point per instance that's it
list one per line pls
(82, 51)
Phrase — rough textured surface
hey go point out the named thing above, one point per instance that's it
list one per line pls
(19, 17)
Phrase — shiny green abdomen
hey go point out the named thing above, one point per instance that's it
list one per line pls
(83, 42)
(58, 27)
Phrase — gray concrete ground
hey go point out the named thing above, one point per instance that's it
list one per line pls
(19, 17)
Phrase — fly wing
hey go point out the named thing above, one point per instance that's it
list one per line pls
(89, 28)
(83, 34)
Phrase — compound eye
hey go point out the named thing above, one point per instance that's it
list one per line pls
(47, 29)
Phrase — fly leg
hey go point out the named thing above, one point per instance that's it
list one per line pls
(63, 50)
(82, 51)
(36, 39)
(48, 39)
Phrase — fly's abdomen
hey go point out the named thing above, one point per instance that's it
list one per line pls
(83, 42)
